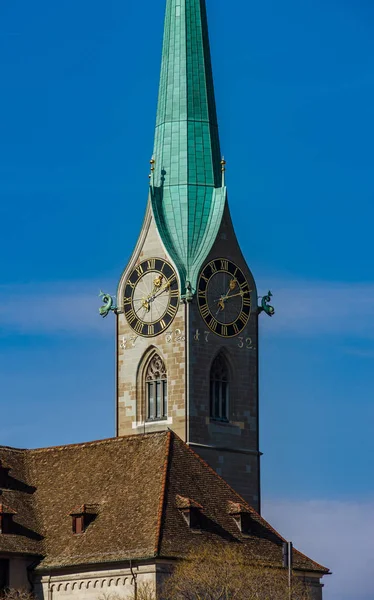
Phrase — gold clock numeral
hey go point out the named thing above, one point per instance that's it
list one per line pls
(213, 266)
(201, 294)
(246, 301)
(160, 286)
(224, 331)
(243, 317)
(131, 316)
(205, 311)
(213, 325)
(170, 311)
(224, 265)
(138, 327)
(205, 278)
(236, 328)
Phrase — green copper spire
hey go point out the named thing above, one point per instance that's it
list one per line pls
(186, 186)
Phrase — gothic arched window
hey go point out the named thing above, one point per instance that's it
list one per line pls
(156, 389)
(219, 389)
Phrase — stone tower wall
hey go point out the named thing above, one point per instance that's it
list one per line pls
(188, 349)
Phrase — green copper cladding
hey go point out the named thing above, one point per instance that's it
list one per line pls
(186, 186)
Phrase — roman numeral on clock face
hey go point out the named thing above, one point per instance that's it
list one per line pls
(138, 327)
(170, 311)
(151, 290)
(213, 325)
(223, 295)
(139, 270)
(131, 316)
(205, 312)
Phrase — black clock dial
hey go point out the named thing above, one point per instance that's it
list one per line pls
(151, 297)
(224, 297)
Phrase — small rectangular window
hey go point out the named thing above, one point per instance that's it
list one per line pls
(158, 399)
(165, 399)
(78, 524)
(217, 389)
(151, 402)
(224, 414)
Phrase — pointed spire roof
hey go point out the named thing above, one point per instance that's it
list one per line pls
(187, 194)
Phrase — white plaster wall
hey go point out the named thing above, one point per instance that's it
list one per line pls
(95, 585)
(18, 579)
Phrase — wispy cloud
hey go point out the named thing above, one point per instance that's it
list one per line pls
(338, 534)
(50, 309)
(314, 308)
(302, 309)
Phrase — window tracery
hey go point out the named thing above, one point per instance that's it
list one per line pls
(219, 389)
(156, 389)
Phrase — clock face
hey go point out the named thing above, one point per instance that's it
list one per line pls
(224, 298)
(151, 297)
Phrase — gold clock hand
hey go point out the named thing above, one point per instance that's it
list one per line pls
(163, 289)
(235, 295)
(223, 299)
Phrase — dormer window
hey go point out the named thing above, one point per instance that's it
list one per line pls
(82, 516)
(191, 512)
(78, 524)
(242, 517)
(6, 519)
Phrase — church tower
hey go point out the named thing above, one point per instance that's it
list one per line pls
(187, 317)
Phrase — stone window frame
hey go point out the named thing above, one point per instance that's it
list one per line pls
(220, 385)
(152, 376)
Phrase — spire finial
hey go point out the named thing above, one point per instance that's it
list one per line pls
(223, 169)
(151, 175)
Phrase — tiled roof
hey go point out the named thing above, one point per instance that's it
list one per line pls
(6, 510)
(136, 487)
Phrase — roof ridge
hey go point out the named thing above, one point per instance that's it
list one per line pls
(89, 443)
(163, 492)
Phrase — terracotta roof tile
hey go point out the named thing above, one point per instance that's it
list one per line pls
(6, 510)
(190, 477)
(183, 502)
(136, 486)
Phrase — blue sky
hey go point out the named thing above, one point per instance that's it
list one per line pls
(295, 91)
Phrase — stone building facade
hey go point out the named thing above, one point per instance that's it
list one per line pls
(187, 158)
(97, 520)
